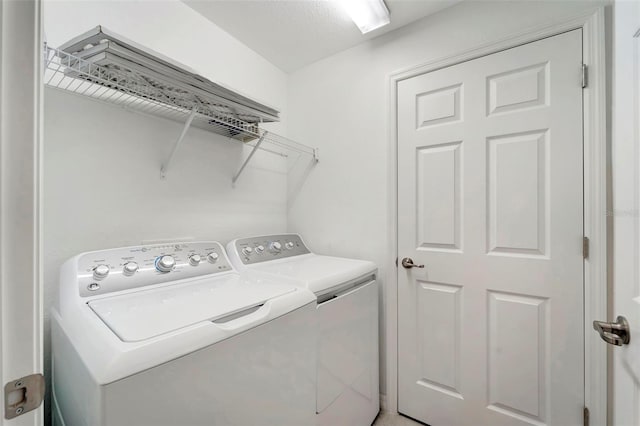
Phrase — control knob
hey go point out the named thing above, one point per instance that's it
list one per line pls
(195, 259)
(100, 272)
(259, 249)
(275, 247)
(165, 263)
(130, 268)
(289, 245)
(247, 251)
(212, 257)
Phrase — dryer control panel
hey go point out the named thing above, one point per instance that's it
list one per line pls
(107, 271)
(269, 247)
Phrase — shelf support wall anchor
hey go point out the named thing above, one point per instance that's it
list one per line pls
(187, 124)
(253, 151)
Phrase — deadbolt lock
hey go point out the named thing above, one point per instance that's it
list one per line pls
(614, 333)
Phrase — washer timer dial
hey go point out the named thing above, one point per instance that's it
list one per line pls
(275, 247)
(165, 263)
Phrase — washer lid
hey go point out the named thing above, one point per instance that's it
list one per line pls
(318, 273)
(145, 314)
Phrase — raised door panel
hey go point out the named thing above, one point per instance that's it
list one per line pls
(517, 194)
(438, 186)
(518, 89)
(439, 327)
(439, 106)
(518, 369)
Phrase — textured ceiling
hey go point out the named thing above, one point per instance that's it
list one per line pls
(295, 33)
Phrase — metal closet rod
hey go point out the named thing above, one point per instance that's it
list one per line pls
(246, 161)
(265, 135)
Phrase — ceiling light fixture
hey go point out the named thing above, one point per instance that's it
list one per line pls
(368, 15)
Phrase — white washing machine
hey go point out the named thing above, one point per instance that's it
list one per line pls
(347, 291)
(173, 335)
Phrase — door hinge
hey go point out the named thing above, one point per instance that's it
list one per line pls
(585, 417)
(585, 76)
(585, 247)
(23, 395)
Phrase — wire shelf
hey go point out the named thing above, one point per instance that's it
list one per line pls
(143, 91)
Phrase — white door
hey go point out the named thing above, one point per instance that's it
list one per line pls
(490, 201)
(625, 213)
(20, 286)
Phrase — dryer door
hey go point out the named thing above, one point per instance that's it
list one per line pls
(348, 357)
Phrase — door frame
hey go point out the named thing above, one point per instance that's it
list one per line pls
(624, 395)
(596, 151)
(21, 88)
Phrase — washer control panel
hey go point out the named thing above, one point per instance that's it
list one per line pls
(101, 272)
(270, 247)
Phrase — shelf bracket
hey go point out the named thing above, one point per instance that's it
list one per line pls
(253, 151)
(187, 124)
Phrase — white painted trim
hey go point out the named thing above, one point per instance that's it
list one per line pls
(595, 197)
(21, 308)
(624, 391)
(390, 290)
(383, 402)
(596, 145)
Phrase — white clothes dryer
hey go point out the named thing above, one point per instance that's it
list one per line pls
(173, 335)
(347, 292)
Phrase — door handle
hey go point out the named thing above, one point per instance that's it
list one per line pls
(407, 262)
(614, 333)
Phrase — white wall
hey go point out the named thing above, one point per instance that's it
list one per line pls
(341, 105)
(102, 184)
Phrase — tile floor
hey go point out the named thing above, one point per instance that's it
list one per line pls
(392, 419)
